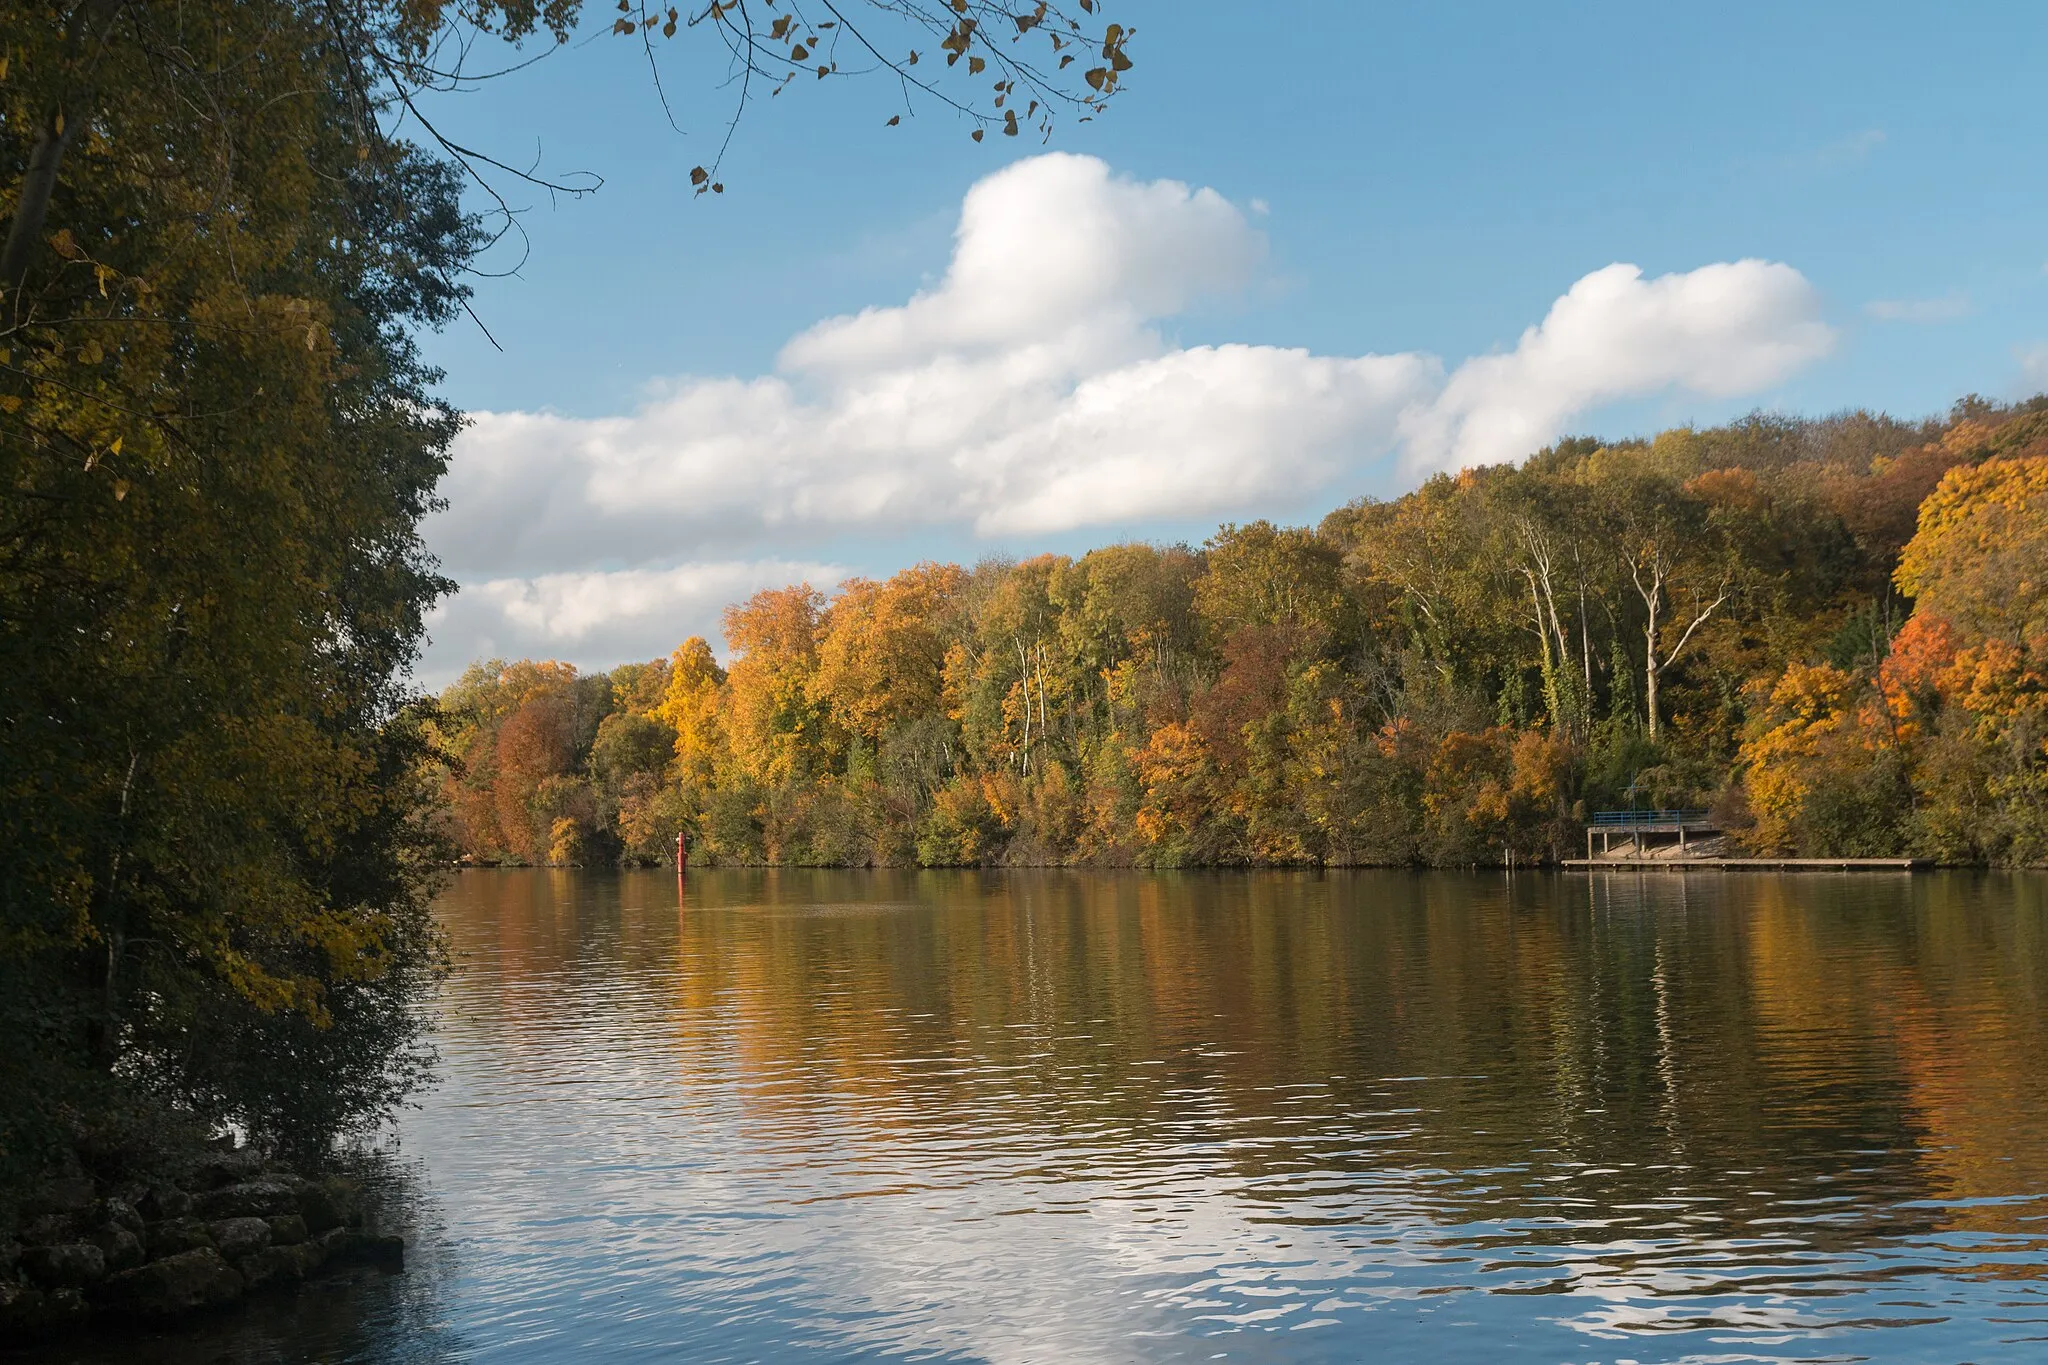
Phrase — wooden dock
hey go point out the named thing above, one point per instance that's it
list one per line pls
(1754, 864)
(1637, 825)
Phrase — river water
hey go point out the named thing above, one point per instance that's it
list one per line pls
(1053, 1116)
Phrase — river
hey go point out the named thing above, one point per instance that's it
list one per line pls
(1126, 1117)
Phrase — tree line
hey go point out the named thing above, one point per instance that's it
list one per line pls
(1827, 631)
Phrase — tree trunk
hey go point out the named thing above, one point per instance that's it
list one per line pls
(60, 126)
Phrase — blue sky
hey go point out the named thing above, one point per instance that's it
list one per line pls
(1422, 181)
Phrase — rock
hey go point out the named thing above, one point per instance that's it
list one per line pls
(175, 1235)
(10, 1257)
(49, 1229)
(175, 1285)
(329, 1203)
(287, 1229)
(280, 1264)
(228, 1167)
(119, 1212)
(122, 1248)
(260, 1268)
(164, 1201)
(70, 1265)
(237, 1237)
(73, 1195)
(255, 1199)
(337, 1246)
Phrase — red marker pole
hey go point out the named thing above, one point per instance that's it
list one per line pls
(682, 854)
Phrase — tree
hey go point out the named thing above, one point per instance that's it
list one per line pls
(1674, 560)
(224, 223)
(882, 651)
(690, 708)
(217, 444)
(776, 727)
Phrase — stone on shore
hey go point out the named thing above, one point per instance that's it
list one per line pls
(122, 1248)
(279, 1264)
(227, 1167)
(157, 1251)
(164, 1201)
(67, 1265)
(253, 1199)
(119, 1212)
(237, 1237)
(70, 1195)
(174, 1235)
(329, 1203)
(173, 1286)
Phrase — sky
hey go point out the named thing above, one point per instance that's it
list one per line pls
(1313, 252)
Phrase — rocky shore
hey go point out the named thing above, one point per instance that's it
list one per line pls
(231, 1226)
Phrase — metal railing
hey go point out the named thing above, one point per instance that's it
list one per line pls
(1644, 819)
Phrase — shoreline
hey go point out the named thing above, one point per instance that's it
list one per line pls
(81, 1255)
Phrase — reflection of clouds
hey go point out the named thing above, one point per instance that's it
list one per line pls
(746, 1133)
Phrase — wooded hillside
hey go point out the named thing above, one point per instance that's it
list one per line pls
(1830, 631)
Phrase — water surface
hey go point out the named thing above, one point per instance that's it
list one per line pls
(824, 1116)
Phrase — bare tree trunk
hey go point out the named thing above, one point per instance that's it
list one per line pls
(1653, 603)
(59, 127)
(1651, 669)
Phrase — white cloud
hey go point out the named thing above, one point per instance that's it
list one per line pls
(1720, 331)
(1030, 391)
(597, 615)
(1947, 308)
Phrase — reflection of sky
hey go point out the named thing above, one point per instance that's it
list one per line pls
(628, 1170)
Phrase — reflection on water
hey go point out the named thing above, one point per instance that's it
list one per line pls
(1066, 1116)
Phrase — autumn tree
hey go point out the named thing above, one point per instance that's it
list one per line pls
(773, 721)
(1675, 560)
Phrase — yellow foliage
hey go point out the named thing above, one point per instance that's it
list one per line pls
(1802, 711)
(1979, 559)
(565, 843)
(773, 726)
(881, 655)
(690, 707)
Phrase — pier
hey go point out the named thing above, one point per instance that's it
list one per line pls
(1692, 839)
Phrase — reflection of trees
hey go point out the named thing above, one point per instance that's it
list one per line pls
(1681, 1057)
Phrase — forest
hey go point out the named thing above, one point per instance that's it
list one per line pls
(1828, 631)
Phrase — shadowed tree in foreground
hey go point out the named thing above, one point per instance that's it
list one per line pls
(225, 221)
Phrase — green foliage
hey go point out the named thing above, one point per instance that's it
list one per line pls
(218, 442)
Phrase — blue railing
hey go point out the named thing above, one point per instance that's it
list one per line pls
(1642, 819)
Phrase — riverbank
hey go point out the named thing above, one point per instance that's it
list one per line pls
(81, 1253)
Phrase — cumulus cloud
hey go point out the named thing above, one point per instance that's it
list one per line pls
(1030, 390)
(1720, 331)
(597, 615)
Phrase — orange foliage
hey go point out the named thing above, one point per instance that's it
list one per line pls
(882, 654)
(774, 729)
